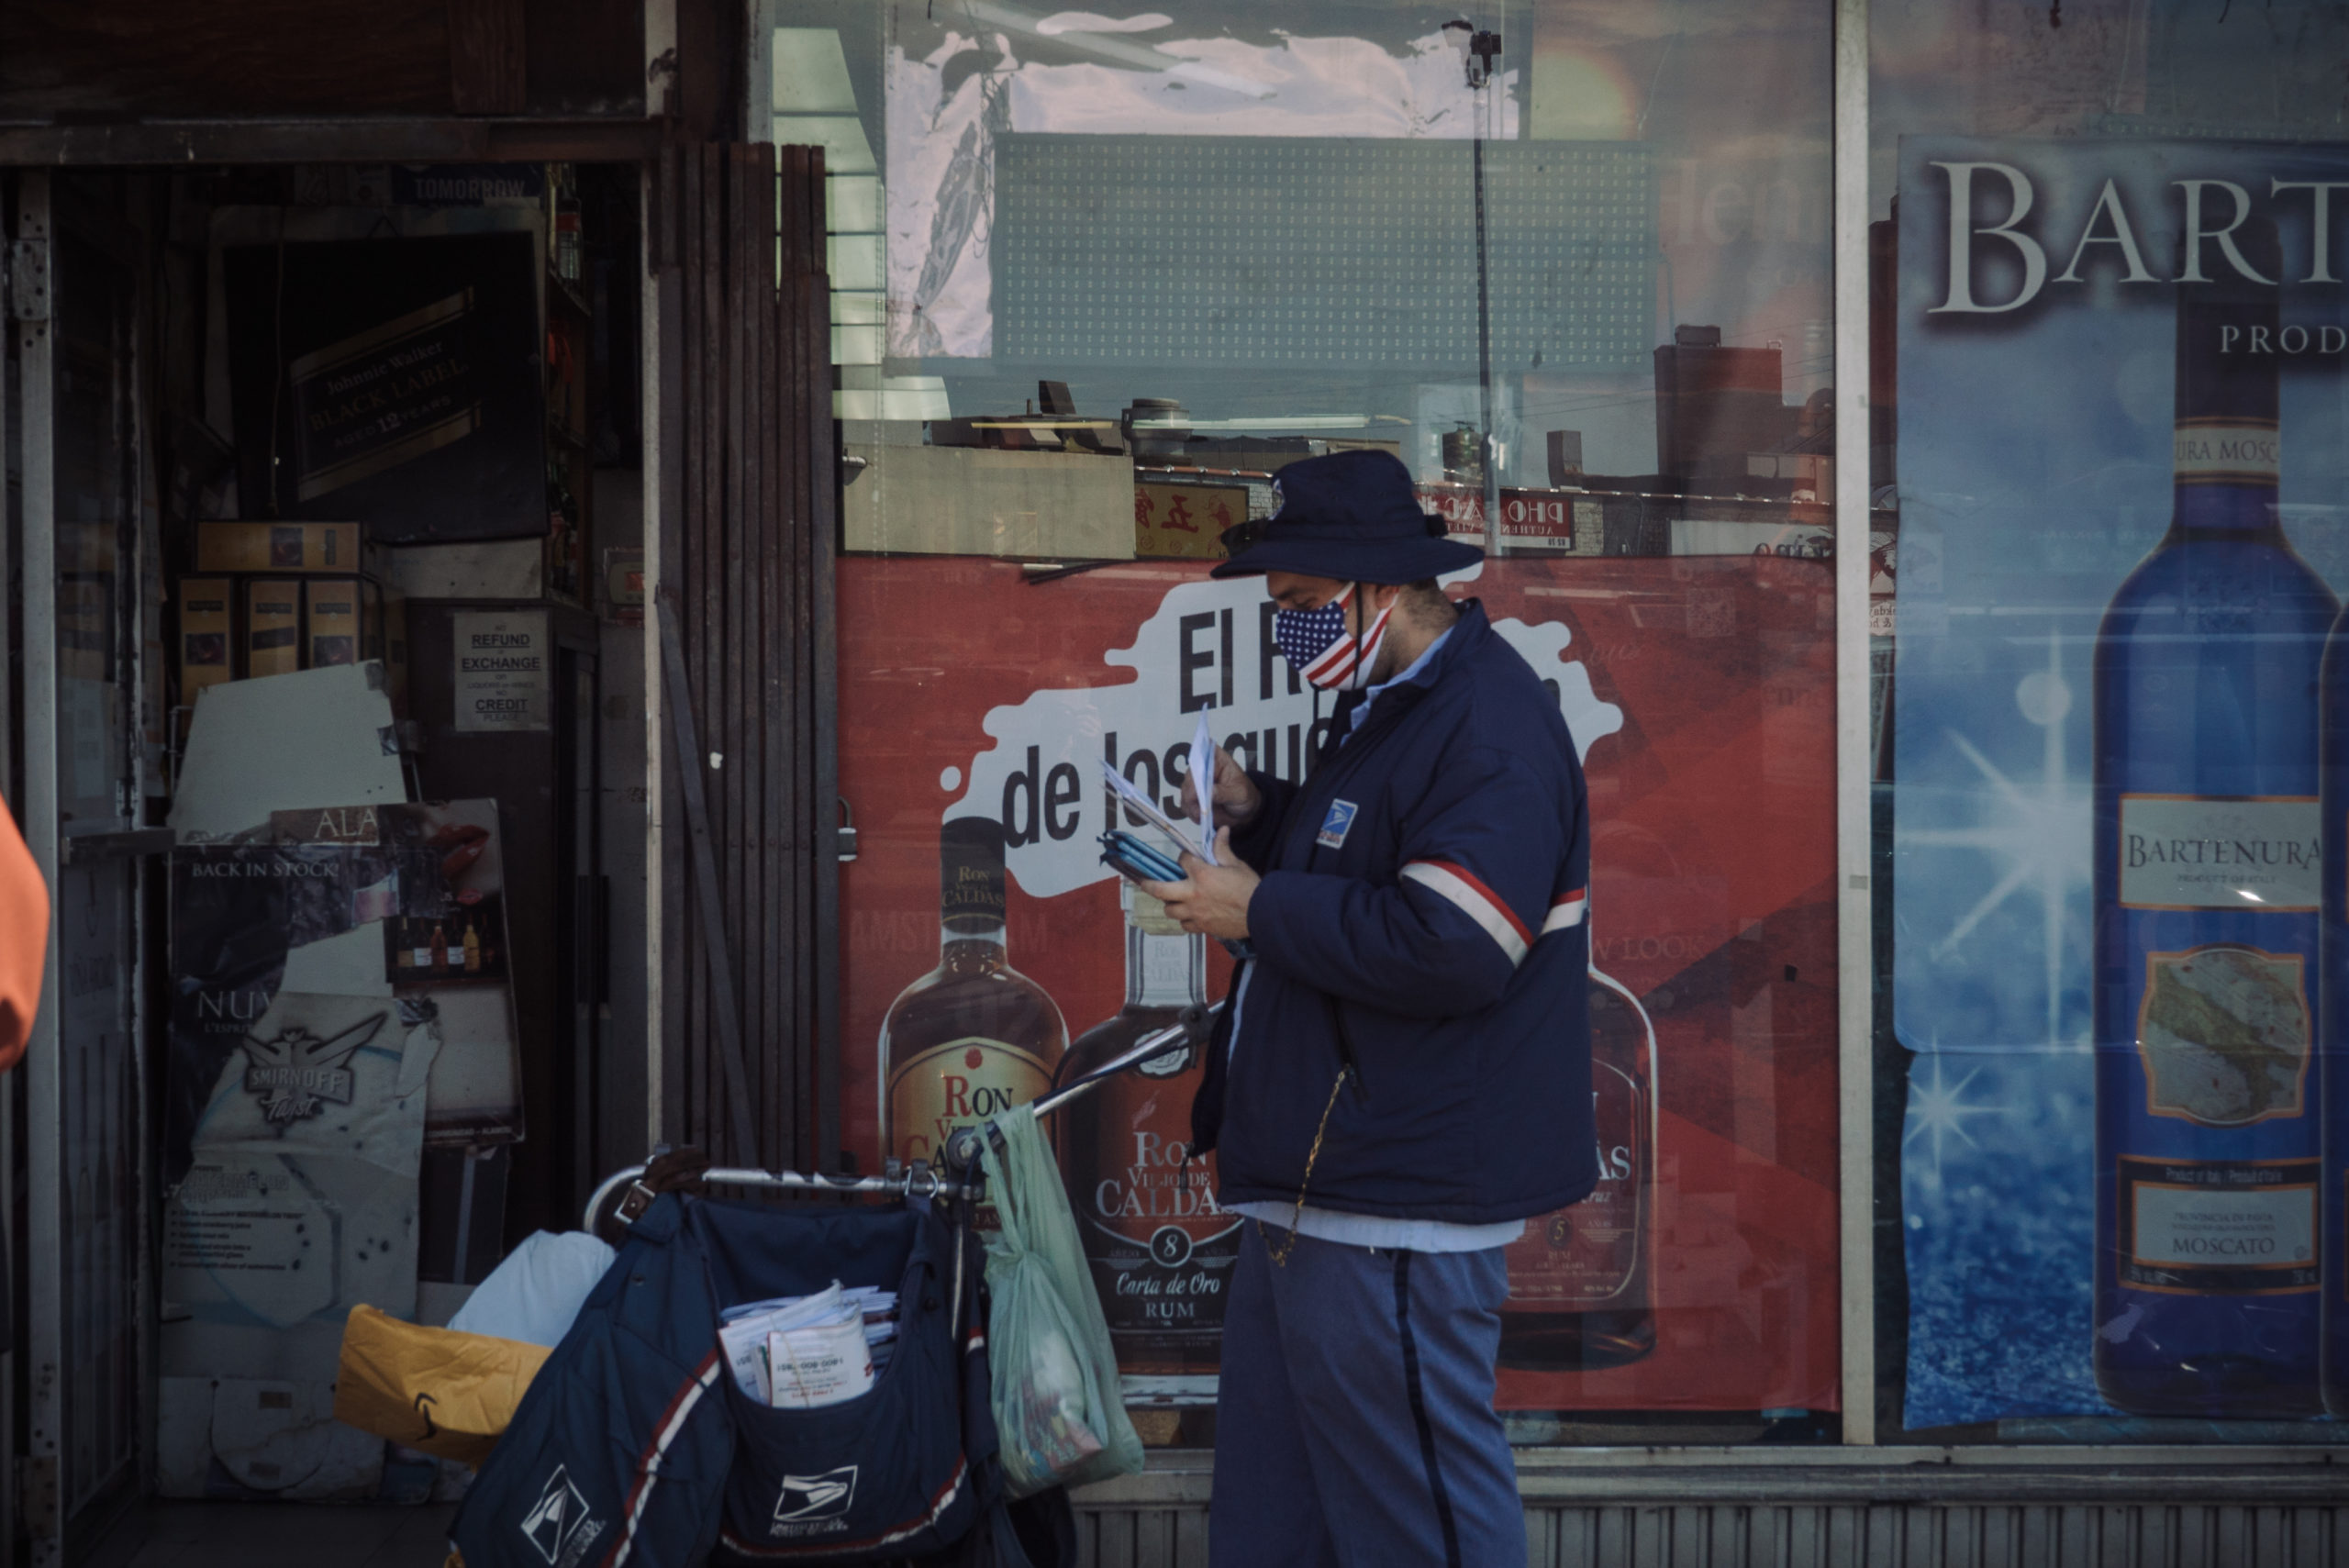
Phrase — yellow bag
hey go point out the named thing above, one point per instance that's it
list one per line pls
(435, 1389)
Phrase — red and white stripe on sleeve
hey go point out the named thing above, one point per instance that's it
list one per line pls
(1491, 912)
(1566, 911)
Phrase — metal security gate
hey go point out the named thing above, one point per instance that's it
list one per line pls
(744, 568)
(72, 308)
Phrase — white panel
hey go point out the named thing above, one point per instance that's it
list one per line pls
(859, 309)
(890, 402)
(858, 345)
(492, 569)
(282, 742)
(854, 260)
(810, 72)
(852, 203)
(841, 137)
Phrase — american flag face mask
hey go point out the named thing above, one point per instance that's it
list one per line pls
(1318, 646)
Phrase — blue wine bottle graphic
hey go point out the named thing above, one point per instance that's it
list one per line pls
(2207, 885)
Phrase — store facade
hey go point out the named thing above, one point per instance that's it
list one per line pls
(1927, 825)
(844, 401)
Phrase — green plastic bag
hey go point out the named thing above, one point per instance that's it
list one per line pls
(1058, 1410)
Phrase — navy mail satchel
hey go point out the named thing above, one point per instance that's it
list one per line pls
(634, 1449)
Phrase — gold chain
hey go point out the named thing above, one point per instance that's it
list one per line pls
(1279, 1251)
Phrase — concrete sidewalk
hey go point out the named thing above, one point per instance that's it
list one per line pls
(278, 1535)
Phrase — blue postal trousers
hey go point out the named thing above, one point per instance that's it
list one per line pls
(1355, 1424)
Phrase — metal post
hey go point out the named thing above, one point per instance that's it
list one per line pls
(142, 528)
(11, 1256)
(43, 1462)
(1856, 989)
(1485, 341)
(661, 63)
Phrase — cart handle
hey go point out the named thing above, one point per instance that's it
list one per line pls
(1192, 1027)
(920, 1182)
(958, 1178)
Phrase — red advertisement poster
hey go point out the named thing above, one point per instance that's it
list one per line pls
(988, 952)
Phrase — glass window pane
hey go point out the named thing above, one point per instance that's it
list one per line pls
(1132, 268)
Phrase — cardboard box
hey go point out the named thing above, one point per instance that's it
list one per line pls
(395, 649)
(977, 501)
(272, 627)
(279, 546)
(371, 641)
(331, 622)
(207, 631)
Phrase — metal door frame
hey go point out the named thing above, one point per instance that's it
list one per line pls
(42, 1506)
(11, 1256)
(36, 513)
(579, 904)
(1854, 901)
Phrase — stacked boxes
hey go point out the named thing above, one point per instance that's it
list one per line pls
(342, 621)
(208, 629)
(272, 598)
(277, 546)
(272, 627)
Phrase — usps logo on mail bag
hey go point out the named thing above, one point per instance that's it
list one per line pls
(825, 1496)
(558, 1524)
(1335, 826)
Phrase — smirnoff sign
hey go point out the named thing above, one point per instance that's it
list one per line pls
(2020, 235)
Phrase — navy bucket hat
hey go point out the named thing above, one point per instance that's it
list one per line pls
(1351, 516)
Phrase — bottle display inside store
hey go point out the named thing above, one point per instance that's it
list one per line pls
(564, 556)
(473, 948)
(1160, 1252)
(973, 1037)
(1579, 1296)
(2207, 890)
(440, 947)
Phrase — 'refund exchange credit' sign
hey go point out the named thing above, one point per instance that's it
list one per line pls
(503, 682)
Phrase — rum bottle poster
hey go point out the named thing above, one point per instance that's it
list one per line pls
(2117, 884)
(1701, 693)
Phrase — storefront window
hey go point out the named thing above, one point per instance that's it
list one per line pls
(1097, 279)
(2109, 242)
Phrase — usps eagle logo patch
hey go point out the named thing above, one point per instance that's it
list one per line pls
(807, 1499)
(558, 1524)
(1335, 826)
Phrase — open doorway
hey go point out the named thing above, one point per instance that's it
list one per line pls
(325, 504)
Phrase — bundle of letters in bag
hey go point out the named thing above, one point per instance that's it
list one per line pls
(801, 1352)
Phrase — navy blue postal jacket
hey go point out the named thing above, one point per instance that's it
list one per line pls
(1422, 919)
